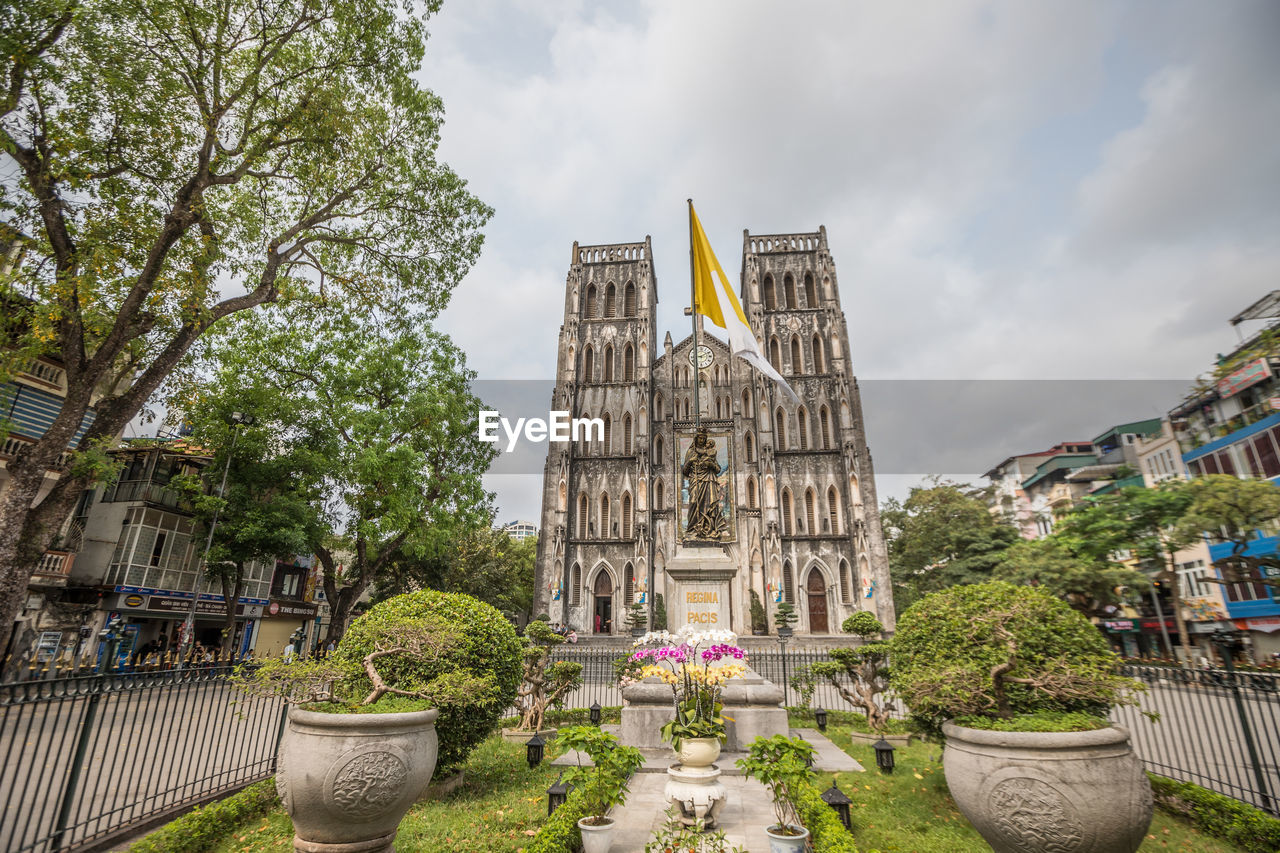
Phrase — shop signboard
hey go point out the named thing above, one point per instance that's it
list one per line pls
(179, 605)
(1250, 374)
(290, 610)
(47, 645)
(1120, 626)
(1266, 624)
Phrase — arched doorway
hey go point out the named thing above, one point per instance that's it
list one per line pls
(602, 623)
(817, 589)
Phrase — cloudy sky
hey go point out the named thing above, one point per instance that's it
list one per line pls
(1021, 191)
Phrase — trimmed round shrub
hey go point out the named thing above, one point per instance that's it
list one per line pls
(1001, 650)
(863, 623)
(489, 649)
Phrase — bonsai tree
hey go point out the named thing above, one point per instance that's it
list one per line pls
(997, 650)
(487, 648)
(544, 683)
(785, 616)
(782, 765)
(759, 625)
(862, 673)
(346, 685)
(636, 618)
(604, 784)
(659, 613)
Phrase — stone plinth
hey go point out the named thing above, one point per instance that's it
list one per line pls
(696, 794)
(699, 588)
(752, 707)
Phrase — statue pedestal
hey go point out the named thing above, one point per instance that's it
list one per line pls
(696, 793)
(700, 589)
(752, 705)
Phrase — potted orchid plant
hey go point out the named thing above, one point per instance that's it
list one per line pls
(696, 665)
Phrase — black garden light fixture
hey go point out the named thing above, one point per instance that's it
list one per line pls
(595, 713)
(534, 750)
(820, 715)
(557, 794)
(884, 755)
(836, 798)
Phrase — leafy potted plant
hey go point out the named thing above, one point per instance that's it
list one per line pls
(1020, 685)
(784, 617)
(781, 764)
(360, 745)
(637, 619)
(696, 665)
(862, 673)
(544, 683)
(759, 627)
(675, 836)
(601, 786)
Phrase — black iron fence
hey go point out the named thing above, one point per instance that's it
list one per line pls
(88, 758)
(1217, 729)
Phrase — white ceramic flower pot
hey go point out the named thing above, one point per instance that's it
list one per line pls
(787, 843)
(1081, 791)
(699, 751)
(348, 779)
(596, 838)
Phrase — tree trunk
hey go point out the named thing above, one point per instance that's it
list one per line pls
(231, 595)
(1175, 594)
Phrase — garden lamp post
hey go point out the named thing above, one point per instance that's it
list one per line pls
(1228, 642)
(837, 799)
(784, 634)
(820, 715)
(557, 794)
(534, 750)
(884, 755)
(595, 713)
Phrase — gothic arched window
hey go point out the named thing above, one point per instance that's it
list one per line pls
(775, 354)
(626, 515)
(582, 516)
(824, 421)
(819, 360)
(749, 445)
(788, 584)
(751, 493)
(780, 429)
(789, 285)
(797, 356)
(846, 594)
(810, 292)
(608, 435)
(608, 363)
(626, 434)
(770, 295)
(809, 518)
(659, 501)
(588, 364)
(604, 516)
(788, 525)
(802, 433)
(628, 363)
(590, 308)
(833, 509)
(575, 595)
(629, 584)
(629, 300)
(610, 300)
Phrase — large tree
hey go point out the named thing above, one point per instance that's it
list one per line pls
(1148, 523)
(378, 421)
(173, 162)
(1234, 510)
(1091, 585)
(942, 535)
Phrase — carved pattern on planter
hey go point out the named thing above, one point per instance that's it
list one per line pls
(366, 782)
(1035, 817)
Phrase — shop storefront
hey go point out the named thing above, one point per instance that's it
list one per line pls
(279, 621)
(1263, 632)
(153, 618)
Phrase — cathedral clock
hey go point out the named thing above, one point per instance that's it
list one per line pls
(702, 357)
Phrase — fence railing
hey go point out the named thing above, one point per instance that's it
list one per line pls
(86, 758)
(1217, 729)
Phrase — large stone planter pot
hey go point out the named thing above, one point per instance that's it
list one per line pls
(596, 838)
(698, 751)
(1068, 792)
(787, 843)
(347, 780)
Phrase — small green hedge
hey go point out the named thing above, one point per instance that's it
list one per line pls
(570, 717)
(204, 828)
(560, 834)
(1218, 815)
(1040, 721)
(826, 832)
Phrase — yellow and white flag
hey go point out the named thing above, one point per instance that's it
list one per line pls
(715, 300)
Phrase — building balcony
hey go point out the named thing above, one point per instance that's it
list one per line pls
(148, 492)
(54, 568)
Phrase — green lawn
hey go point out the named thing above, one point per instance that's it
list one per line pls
(911, 809)
(498, 808)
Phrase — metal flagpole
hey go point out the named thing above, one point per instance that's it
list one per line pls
(693, 310)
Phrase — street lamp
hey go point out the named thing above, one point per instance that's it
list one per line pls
(595, 713)
(884, 755)
(189, 626)
(557, 794)
(784, 634)
(837, 799)
(534, 750)
(820, 716)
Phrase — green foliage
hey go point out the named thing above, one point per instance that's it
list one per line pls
(1041, 721)
(200, 829)
(488, 649)
(781, 764)
(997, 649)
(698, 716)
(636, 616)
(758, 622)
(659, 613)
(473, 559)
(1222, 817)
(943, 534)
(605, 784)
(675, 836)
(785, 616)
(859, 675)
(1088, 584)
(544, 683)
(1233, 509)
(560, 834)
(863, 624)
(376, 421)
(826, 833)
(803, 683)
(386, 705)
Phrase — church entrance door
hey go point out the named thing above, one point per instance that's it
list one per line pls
(817, 603)
(604, 604)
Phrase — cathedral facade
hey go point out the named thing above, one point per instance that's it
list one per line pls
(799, 521)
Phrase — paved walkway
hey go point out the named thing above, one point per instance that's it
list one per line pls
(748, 810)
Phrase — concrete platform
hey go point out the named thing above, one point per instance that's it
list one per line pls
(828, 757)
